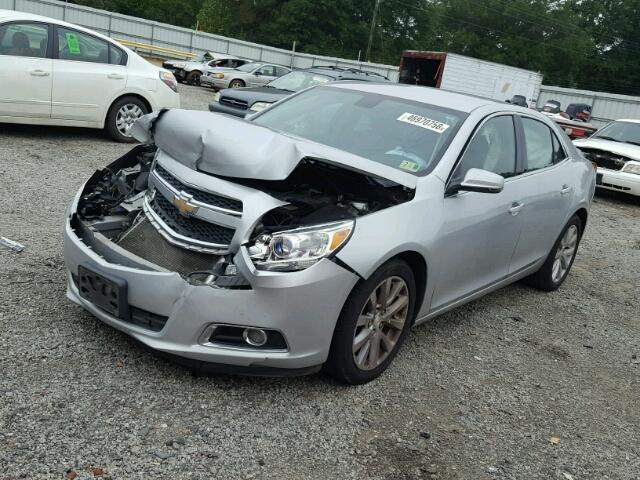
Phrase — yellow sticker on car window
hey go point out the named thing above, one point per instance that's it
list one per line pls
(423, 122)
(409, 166)
(72, 43)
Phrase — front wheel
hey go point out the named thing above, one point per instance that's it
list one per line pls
(121, 117)
(557, 265)
(373, 324)
(193, 78)
(237, 83)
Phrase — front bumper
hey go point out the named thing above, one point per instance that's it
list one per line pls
(220, 108)
(303, 306)
(618, 181)
(218, 83)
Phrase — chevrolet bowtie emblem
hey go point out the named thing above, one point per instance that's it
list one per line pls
(181, 202)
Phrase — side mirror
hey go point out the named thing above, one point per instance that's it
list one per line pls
(257, 74)
(477, 180)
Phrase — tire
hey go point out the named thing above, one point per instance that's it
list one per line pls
(547, 278)
(352, 365)
(193, 78)
(118, 121)
(237, 83)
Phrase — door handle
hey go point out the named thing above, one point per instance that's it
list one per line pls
(39, 73)
(515, 208)
(115, 76)
(565, 189)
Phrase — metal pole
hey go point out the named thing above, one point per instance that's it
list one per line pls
(293, 54)
(373, 27)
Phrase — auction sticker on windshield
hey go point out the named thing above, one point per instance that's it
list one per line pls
(423, 122)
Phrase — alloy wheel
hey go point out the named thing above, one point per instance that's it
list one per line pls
(126, 117)
(381, 322)
(564, 254)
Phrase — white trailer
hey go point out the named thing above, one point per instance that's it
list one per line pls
(458, 73)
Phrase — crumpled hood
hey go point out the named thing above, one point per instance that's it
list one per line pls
(624, 149)
(233, 147)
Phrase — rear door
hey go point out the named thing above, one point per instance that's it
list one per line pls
(547, 190)
(25, 69)
(480, 230)
(87, 75)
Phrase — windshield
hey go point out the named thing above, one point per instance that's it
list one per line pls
(403, 134)
(296, 81)
(625, 132)
(249, 67)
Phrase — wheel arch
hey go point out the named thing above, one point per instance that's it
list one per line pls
(142, 98)
(582, 215)
(418, 265)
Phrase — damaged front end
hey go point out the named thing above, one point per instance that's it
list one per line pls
(147, 210)
(189, 257)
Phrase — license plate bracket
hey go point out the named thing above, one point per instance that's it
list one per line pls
(105, 291)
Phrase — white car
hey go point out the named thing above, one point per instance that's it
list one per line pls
(56, 73)
(615, 149)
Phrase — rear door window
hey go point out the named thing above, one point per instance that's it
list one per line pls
(24, 40)
(74, 45)
(538, 144)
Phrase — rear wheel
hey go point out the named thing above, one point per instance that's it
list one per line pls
(373, 324)
(193, 78)
(237, 83)
(558, 264)
(122, 116)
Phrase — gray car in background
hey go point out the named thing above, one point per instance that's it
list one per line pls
(254, 74)
(318, 232)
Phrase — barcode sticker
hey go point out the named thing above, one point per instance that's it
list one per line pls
(423, 122)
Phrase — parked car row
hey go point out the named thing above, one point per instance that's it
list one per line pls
(56, 73)
(245, 101)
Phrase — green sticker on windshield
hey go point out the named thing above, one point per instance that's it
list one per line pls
(72, 43)
(410, 166)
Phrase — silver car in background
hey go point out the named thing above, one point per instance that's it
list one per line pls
(254, 74)
(317, 233)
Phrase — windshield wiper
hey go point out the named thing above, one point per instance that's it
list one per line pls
(632, 142)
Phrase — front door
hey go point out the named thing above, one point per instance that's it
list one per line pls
(263, 75)
(479, 230)
(84, 81)
(25, 70)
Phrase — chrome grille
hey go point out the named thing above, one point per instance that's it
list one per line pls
(201, 196)
(232, 102)
(604, 159)
(189, 227)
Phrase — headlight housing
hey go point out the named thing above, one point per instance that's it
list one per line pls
(259, 106)
(297, 249)
(219, 75)
(632, 168)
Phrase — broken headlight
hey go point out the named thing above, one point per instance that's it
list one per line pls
(300, 248)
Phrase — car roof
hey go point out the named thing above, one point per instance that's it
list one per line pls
(428, 95)
(14, 15)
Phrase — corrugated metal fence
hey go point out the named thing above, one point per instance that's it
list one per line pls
(604, 106)
(163, 35)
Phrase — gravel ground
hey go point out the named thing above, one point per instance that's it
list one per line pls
(517, 385)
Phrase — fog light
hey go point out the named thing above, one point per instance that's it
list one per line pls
(254, 336)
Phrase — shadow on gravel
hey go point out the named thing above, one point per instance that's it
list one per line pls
(60, 134)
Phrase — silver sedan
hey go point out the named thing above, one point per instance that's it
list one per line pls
(248, 75)
(317, 233)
